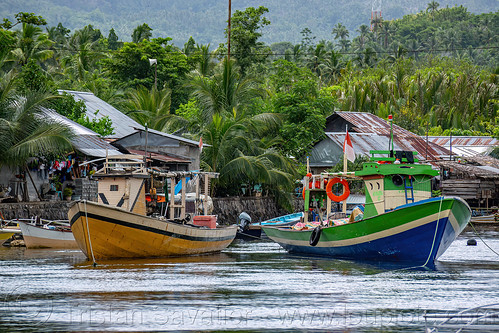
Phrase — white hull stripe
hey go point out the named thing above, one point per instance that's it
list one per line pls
(454, 224)
(370, 237)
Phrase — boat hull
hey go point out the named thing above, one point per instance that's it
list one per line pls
(6, 233)
(103, 231)
(37, 237)
(417, 233)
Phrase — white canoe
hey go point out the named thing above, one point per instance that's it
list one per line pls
(43, 237)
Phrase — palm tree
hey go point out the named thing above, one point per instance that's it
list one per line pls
(151, 107)
(226, 92)
(340, 31)
(363, 32)
(237, 152)
(25, 129)
(344, 44)
(317, 58)
(82, 54)
(206, 62)
(432, 7)
(141, 32)
(31, 43)
(332, 66)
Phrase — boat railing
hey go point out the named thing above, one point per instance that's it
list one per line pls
(126, 163)
(393, 155)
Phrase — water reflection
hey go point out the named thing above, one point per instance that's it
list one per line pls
(251, 286)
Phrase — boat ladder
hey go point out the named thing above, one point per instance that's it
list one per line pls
(409, 190)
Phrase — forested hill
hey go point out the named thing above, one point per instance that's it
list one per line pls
(205, 20)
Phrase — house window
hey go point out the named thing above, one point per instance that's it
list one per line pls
(114, 188)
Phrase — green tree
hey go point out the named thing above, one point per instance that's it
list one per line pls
(340, 31)
(295, 96)
(25, 129)
(31, 43)
(245, 33)
(236, 151)
(82, 53)
(112, 40)
(141, 33)
(129, 67)
(151, 107)
(25, 18)
(226, 92)
(70, 108)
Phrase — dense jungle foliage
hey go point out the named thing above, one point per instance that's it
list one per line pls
(205, 19)
(261, 109)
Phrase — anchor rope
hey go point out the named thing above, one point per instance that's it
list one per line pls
(435, 234)
(88, 234)
(476, 232)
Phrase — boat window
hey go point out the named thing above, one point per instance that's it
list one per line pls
(114, 188)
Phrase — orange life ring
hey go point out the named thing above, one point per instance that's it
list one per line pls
(331, 195)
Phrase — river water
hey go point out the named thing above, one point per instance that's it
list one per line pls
(251, 287)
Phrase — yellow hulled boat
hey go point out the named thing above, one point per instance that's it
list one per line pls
(117, 225)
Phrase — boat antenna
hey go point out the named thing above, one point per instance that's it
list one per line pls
(145, 149)
(390, 141)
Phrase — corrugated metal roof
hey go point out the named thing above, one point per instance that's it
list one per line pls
(466, 145)
(364, 122)
(363, 143)
(464, 140)
(160, 157)
(122, 124)
(172, 136)
(86, 140)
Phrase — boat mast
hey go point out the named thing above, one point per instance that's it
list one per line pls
(344, 208)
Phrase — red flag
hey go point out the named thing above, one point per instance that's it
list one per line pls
(201, 143)
(348, 148)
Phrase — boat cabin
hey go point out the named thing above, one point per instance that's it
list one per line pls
(389, 181)
(124, 181)
(394, 181)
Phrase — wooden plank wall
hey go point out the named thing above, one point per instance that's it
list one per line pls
(470, 188)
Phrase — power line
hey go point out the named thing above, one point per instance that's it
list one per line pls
(368, 50)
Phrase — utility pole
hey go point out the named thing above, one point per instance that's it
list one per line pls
(228, 33)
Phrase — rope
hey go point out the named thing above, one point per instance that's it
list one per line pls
(436, 230)
(476, 232)
(88, 234)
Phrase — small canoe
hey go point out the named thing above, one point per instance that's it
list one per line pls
(48, 236)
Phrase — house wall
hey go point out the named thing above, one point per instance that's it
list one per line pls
(324, 155)
(8, 179)
(337, 125)
(161, 144)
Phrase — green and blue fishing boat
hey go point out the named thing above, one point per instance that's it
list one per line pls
(401, 221)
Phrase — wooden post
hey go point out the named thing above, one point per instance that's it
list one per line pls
(182, 204)
(206, 185)
(32, 182)
(197, 196)
(172, 198)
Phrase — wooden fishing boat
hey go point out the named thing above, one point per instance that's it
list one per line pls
(251, 231)
(401, 221)
(50, 234)
(7, 230)
(118, 227)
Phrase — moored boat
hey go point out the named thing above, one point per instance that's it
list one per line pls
(251, 231)
(56, 235)
(118, 227)
(7, 230)
(400, 221)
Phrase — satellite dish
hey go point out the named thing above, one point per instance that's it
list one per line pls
(397, 180)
